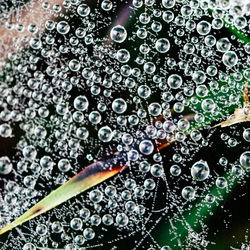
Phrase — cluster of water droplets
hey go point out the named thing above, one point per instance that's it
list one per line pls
(105, 77)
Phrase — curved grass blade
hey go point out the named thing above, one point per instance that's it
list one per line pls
(92, 175)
